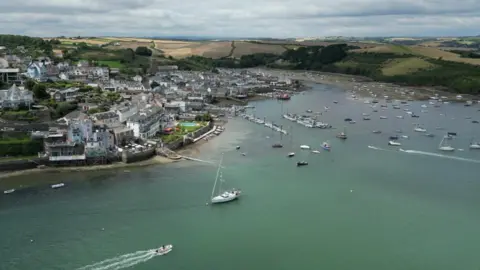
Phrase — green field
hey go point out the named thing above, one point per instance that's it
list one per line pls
(111, 64)
(405, 66)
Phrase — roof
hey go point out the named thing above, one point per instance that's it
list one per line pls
(9, 70)
(75, 115)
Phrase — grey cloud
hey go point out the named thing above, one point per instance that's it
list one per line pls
(247, 18)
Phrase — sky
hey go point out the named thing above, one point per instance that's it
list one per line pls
(240, 18)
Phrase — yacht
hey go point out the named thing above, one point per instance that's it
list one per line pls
(419, 129)
(444, 146)
(222, 196)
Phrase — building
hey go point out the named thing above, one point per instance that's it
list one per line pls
(106, 118)
(15, 97)
(9, 75)
(126, 112)
(101, 141)
(122, 135)
(147, 122)
(70, 94)
(80, 130)
(36, 71)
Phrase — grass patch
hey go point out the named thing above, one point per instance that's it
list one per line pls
(111, 64)
(405, 66)
(17, 158)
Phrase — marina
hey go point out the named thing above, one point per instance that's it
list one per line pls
(378, 208)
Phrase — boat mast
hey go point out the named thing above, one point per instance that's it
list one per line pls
(218, 174)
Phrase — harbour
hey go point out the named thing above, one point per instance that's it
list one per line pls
(361, 205)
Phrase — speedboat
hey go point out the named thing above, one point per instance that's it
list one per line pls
(291, 154)
(227, 196)
(326, 146)
(302, 163)
(58, 185)
(277, 145)
(394, 143)
(163, 250)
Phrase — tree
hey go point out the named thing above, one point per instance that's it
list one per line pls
(40, 91)
(143, 51)
(154, 84)
(128, 56)
(29, 84)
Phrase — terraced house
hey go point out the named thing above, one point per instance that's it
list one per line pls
(15, 97)
(147, 122)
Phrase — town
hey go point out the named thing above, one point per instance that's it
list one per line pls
(72, 114)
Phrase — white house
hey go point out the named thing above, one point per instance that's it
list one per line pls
(126, 112)
(147, 122)
(14, 97)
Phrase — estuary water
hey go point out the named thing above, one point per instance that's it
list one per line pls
(352, 208)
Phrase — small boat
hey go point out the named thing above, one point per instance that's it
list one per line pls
(305, 147)
(352, 122)
(335, 101)
(163, 250)
(57, 185)
(309, 111)
(419, 129)
(244, 154)
(400, 116)
(342, 135)
(376, 132)
(383, 117)
(445, 147)
(8, 191)
(366, 118)
(405, 136)
(302, 163)
(277, 145)
(326, 146)
(393, 138)
(474, 145)
(291, 154)
(348, 119)
(238, 147)
(315, 151)
(394, 143)
(430, 135)
(474, 121)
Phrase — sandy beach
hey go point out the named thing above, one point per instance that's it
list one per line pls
(366, 87)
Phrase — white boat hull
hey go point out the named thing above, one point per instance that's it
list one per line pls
(446, 149)
(392, 143)
(305, 147)
(475, 146)
(226, 197)
(163, 251)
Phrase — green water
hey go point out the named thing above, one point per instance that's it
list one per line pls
(352, 208)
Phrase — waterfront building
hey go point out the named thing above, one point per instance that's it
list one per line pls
(80, 130)
(9, 75)
(147, 122)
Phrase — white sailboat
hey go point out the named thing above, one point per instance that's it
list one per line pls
(222, 196)
(418, 128)
(474, 144)
(291, 153)
(444, 146)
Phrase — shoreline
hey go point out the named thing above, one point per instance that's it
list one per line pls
(366, 87)
(189, 150)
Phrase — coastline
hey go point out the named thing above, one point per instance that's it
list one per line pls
(351, 83)
(189, 150)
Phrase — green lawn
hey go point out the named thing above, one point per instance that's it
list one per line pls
(17, 158)
(111, 64)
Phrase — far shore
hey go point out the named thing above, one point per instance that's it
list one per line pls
(381, 89)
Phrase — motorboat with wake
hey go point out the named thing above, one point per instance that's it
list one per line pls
(394, 143)
(222, 196)
(163, 250)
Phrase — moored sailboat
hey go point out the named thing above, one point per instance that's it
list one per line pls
(222, 196)
(444, 146)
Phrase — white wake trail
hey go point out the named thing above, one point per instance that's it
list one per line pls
(123, 261)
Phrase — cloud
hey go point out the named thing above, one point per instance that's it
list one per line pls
(246, 18)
